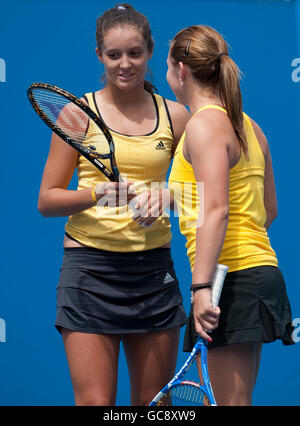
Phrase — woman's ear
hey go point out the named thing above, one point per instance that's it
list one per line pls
(98, 53)
(150, 53)
(182, 69)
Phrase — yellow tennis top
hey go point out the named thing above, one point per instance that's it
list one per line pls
(143, 160)
(246, 242)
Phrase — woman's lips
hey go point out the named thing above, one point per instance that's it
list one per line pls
(125, 76)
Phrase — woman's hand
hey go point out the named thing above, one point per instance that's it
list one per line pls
(205, 316)
(114, 194)
(150, 205)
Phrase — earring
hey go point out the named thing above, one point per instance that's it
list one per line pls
(181, 82)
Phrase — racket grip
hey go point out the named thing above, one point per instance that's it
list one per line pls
(217, 284)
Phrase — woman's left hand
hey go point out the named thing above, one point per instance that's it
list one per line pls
(206, 317)
(150, 205)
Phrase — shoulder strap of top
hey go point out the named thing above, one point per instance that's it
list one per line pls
(89, 100)
(210, 107)
(168, 115)
(86, 98)
(163, 111)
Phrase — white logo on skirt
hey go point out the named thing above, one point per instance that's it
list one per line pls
(168, 278)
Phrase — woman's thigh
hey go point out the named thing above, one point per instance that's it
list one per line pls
(151, 361)
(93, 364)
(233, 370)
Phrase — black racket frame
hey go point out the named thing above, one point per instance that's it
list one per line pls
(114, 174)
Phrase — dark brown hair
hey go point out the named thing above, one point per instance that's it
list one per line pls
(205, 52)
(122, 15)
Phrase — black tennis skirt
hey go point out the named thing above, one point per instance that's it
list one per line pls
(254, 308)
(113, 292)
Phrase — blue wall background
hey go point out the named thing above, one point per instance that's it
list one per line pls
(53, 41)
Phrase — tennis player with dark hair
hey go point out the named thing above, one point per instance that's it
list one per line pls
(226, 152)
(117, 280)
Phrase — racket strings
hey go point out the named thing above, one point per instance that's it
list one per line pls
(185, 395)
(72, 121)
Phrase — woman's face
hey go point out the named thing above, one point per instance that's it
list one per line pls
(125, 57)
(173, 79)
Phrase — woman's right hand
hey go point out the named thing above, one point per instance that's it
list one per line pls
(206, 317)
(114, 194)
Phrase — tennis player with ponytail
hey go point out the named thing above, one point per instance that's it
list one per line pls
(117, 280)
(226, 152)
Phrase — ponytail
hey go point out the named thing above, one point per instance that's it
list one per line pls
(231, 97)
(205, 52)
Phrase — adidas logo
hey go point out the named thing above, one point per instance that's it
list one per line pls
(160, 146)
(168, 278)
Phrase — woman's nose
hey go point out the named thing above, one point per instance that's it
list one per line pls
(125, 63)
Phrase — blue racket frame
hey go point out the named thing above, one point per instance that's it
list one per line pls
(200, 347)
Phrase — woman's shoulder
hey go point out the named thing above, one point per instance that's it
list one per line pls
(209, 128)
(209, 121)
(177, 110)
(179, 116)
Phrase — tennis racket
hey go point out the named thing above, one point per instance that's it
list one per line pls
(183, 392)
(73, 120)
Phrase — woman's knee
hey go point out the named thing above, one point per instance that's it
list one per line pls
(96, 398)
(237, 397)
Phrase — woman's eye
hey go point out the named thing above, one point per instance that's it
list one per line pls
(113, 55)
(133, 54)
(136, 53)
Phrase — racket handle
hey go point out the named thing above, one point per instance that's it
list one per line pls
(217, 284)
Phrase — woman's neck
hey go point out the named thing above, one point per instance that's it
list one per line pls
(197, 98)
(124, 98)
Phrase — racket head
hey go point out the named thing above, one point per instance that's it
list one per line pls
(77, 124)
(185, 393)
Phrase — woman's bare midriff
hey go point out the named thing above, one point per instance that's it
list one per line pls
(68, 242)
